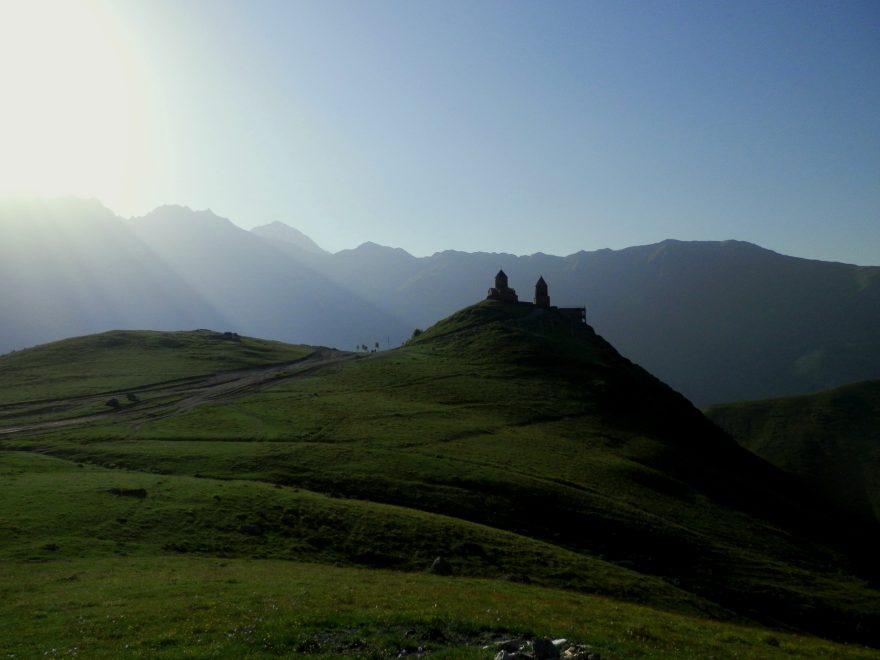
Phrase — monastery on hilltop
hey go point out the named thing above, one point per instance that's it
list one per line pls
(501, 291)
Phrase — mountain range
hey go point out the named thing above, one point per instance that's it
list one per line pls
(718, 321)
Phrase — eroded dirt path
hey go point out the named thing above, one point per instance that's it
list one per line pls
(166, 399)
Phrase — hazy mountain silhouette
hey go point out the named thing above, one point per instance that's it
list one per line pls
(261, 289)
(283, 233)
(718, 321)
(70, 267)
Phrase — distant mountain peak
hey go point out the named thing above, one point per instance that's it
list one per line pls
(371, 248)
(179, 209)
(280, 231)
(178, 213)
(370, 245)
(168, 208)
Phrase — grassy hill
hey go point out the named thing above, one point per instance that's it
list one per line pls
(555, 477)
(127, 360)
(694, 313)
(831, 439)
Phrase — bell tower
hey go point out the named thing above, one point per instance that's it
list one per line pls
(542, 297)
(501, 291)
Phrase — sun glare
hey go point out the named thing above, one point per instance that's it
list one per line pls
(72, 116)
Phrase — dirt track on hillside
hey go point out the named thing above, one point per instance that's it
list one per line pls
(183, 395)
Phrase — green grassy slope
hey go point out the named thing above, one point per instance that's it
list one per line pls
(71, 381)
(123, 360)
(79, 511)
(506, 439)
(831, 438)
(185, 606)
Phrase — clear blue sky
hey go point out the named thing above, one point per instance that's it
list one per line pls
(518, 126)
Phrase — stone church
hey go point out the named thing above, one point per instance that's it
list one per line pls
(502, 291)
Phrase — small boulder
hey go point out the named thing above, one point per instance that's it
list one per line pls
(508, 655)
(441, 567)
(509, 645)
(579, 652)
(544, 649)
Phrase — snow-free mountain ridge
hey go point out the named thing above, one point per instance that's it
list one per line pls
(718, 321)
(279, 231)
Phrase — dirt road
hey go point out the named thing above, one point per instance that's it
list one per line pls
(165, 399)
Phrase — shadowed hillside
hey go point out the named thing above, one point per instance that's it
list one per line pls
(831, 439)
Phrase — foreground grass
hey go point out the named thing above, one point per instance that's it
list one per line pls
(58, 510)
(169, 607)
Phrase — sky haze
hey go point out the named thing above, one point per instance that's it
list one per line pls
(493, 126)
